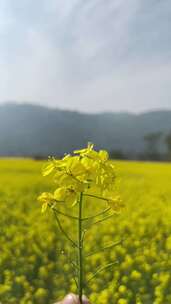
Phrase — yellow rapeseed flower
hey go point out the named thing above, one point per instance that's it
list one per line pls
(86, 171)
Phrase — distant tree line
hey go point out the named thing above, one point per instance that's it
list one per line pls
(39, 132)
(157, 148)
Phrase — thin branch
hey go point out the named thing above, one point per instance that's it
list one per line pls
(65, 214)
(95, 196)
(75, 268)
(63, 231)
(75, 271)
(96, 215)
(74, 265)
(104, 248)
(100, 269)
(75, 281)
(83, 235)
(58, 201)
(101, 220)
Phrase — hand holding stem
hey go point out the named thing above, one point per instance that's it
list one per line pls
(73, 299)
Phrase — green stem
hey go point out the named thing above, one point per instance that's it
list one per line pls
(101, 220)
(96, 215)
(80, 248)
(65, 214)
(100, 269)
(104, 248)
(63, 231)
(98, 197)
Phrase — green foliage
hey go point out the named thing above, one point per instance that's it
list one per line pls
(34, 254)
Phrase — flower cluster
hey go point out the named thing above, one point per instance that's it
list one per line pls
(86, 171)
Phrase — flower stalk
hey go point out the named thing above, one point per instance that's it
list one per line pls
(80, 249)
(90, 174)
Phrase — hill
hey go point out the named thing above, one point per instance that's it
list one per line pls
(30, 130)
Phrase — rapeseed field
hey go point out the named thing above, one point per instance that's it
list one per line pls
(34, 256)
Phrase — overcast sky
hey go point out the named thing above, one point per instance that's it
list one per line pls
(87, 55)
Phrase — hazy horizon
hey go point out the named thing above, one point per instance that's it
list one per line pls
(53, 107)
(88, 56)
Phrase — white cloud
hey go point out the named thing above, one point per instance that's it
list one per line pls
(89, 55)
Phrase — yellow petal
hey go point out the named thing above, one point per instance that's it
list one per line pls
(48, 169)
(44, 207)
(45, 197)
(60, 194)
(103, 155)
(116, 204)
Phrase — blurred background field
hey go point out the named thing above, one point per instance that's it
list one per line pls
(73, 72)
(34, 254)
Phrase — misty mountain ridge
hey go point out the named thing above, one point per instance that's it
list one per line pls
(29, 130)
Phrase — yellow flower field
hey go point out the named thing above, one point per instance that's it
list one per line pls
(34, 255)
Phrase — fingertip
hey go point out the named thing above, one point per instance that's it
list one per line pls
(85, 300)
(73, 299)
(70, 299)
